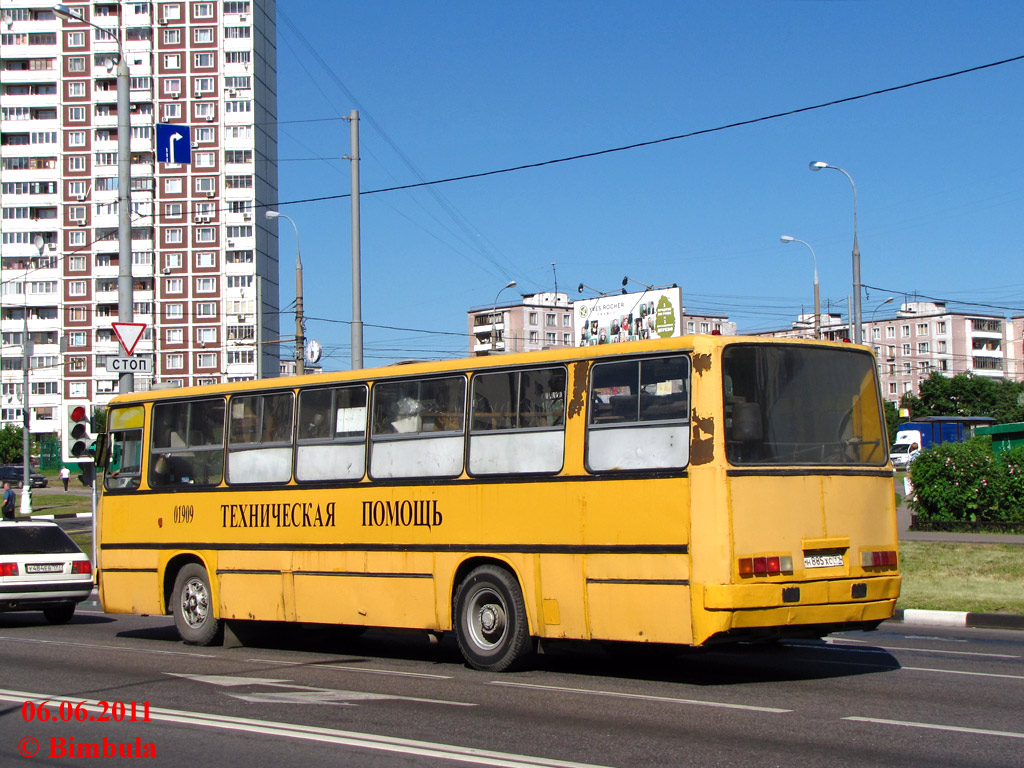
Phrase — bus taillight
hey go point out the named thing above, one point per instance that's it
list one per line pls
(769, 565)
(886, 558)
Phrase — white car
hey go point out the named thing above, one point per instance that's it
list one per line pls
(42, 569)
(902, 454)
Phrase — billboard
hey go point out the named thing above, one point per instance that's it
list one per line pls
(652, 314)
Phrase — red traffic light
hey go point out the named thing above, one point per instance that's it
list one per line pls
(78, 413)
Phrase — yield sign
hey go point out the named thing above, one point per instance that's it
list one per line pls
(129, 334)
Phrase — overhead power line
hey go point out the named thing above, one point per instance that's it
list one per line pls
(690, 135)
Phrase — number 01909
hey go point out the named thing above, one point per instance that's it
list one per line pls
(183, 513)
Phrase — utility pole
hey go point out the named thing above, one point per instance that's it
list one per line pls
(357, 300)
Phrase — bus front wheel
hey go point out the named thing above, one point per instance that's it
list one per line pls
(490, 618)
(193, 607)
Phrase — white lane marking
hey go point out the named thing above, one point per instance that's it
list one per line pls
(232, 680)
(118, 648)
(936, 727)
(367, 670)
(960, 672)
(313, 733)
(303, 694)
(665, 699)
(936, 650)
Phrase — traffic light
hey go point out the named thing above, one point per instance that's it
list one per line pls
(77, 435)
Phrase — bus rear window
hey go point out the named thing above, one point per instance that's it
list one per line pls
(801, 405)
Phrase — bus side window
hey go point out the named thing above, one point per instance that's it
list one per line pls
(331, 434)
(418, 427)
(123, 457)
(260, 438)
(639, 415)
(187, 444)
(518, 422)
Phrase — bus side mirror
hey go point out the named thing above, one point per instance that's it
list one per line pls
(100, 458)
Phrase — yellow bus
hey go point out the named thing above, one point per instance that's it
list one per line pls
(690, 491)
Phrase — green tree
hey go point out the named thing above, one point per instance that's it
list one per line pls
(1009, 406)
(99, 420)
(10, 444)
(962, 395)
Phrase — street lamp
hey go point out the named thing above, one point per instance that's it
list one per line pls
(494, 310)
(125, 309)
(300, 335)
(875, 310)
(817, 295)
(855, 310)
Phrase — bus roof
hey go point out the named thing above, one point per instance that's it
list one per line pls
(699, 342)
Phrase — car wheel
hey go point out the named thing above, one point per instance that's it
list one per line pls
(59, 614)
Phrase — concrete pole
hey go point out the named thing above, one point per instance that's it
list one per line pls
(26, 439)
(357, 300)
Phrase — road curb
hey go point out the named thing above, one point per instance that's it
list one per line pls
(70, 516)
(959, 619)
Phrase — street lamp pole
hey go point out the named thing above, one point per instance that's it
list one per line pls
(125, 308)
(494, 310)
(875, 310)
(300, 333)
(855, 309)
(817, 294)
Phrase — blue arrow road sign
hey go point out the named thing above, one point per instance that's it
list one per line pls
(173, 144)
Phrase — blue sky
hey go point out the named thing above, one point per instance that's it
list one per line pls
(455, 88)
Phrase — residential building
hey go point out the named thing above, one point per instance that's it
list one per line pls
(204, 260)
(545, 321)
(535, 321)
(926, 336)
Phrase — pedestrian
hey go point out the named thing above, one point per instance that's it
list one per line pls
(65, 475)
(8, 504)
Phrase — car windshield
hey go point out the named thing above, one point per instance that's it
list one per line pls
(35, 540)
(899, 449)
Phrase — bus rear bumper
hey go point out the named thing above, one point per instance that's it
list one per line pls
(728, 597)
(845, 603)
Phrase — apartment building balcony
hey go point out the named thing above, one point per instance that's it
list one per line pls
(107, 347)
(27, 76)
(484, 345)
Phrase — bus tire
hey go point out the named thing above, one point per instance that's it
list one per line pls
(490, 620)
(192, 606)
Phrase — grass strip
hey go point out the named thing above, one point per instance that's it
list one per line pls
(979, 578)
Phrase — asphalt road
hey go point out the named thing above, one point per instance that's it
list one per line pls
(310, 696)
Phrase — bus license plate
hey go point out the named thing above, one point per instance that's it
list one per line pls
(44, 568)
(823, 561)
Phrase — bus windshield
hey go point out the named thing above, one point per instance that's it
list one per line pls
(801, 405)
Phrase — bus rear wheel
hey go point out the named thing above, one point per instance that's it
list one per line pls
(490, 620)
(192, 605)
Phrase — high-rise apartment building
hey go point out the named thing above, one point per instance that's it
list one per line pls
(204, 258)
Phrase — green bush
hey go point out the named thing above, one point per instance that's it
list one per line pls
(967, 482)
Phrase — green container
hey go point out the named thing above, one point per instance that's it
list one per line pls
(1004, 436)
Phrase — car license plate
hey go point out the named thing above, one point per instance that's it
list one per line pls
(44, 568)
(823, 561)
